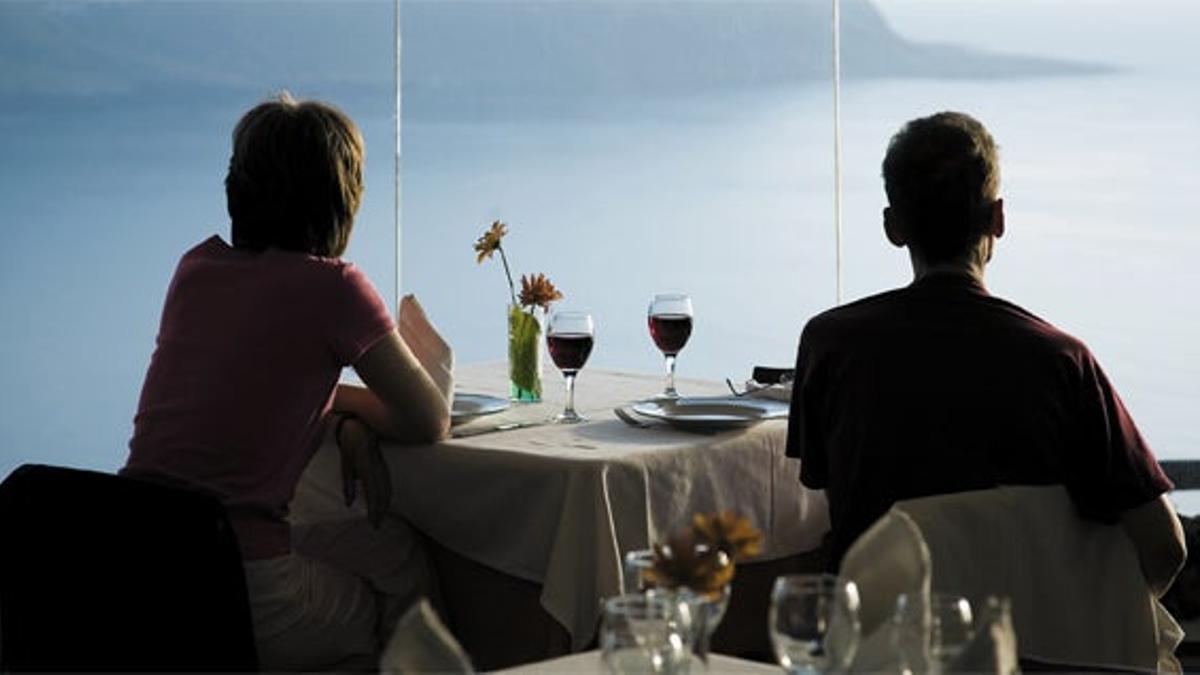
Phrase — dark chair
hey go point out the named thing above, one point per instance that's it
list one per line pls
(100, 572)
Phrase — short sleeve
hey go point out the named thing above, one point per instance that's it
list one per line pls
(804, 437)
(1110, 467)
(360, 319)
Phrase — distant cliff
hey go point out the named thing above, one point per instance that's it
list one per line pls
(569, 49)
(655, 45)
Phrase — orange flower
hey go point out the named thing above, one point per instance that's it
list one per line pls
(728, 532)
(489, 243)
(684, 562)
(536, 289)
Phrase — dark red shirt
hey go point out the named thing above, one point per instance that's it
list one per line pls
(249, 352)
(939, 387)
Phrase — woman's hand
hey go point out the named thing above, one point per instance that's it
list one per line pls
(362, 462)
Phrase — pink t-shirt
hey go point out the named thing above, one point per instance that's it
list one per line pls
(249, 351)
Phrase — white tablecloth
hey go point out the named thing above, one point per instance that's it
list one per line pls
(559, 505)
(589, 663)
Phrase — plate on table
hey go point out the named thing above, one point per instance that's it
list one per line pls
(711, 413)
(469, 406)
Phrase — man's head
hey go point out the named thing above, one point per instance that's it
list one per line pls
(295, 179)
(942, 177)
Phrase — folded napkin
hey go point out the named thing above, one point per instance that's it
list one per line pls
(421, 644)
(427, 345)
(775, 392)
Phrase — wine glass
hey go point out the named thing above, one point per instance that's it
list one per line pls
(569, 339)
(643, 633)
(670, 319)
(930, 633)
(814, 623)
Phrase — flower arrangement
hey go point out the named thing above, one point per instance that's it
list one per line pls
(702, 557)
(524, 325)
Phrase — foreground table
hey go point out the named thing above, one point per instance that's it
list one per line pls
(588, 663)
(559, 505)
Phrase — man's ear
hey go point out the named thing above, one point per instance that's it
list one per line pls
(996, 224)
(894, 228)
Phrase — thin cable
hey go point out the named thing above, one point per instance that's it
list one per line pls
(837, 144)
(399, 116)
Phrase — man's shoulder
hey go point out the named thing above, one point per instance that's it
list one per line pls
(877, 306)
(907, 308)
(1021, 321)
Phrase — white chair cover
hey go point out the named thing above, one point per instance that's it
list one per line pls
(1077, 591)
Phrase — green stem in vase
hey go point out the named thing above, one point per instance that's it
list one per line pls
(525, 334)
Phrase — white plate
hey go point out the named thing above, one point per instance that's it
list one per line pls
(711, 413)
(469, 406)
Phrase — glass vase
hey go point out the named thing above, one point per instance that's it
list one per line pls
(707, 610)
(525, 329)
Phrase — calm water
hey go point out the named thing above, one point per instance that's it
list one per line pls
(725, 196)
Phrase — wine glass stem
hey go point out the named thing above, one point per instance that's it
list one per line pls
(570, 409)
(671, 376)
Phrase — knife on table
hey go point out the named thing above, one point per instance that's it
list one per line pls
(507, 426)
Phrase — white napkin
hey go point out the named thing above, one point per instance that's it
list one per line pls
(427, 345)
(889, 559)
(774, 392)
(422, 644)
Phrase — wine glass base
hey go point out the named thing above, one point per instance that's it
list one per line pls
(568, 417)
(665, 396)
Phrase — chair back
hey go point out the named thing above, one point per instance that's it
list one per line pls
(1078, 595)
(103, 573)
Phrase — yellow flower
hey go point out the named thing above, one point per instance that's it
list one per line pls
(489, 243)
(728, 532)
(536, 289)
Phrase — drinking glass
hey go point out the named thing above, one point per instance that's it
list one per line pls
(569, 339)
(814, 623)
(670, 319)
(643, 633)
(930, 634)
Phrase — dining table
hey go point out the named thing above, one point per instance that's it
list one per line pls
(554, 508)
(592, 663)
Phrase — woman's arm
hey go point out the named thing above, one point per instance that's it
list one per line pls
(401, 401)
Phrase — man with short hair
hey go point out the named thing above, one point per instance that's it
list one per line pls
(940, 387)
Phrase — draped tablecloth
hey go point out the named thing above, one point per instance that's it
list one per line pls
(559, 505)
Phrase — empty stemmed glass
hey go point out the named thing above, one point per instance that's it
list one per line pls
(930, 632)
(814, 623)
(670, 319)
(569, 339)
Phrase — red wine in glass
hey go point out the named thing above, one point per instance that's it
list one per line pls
(570, 350)
(670, 319)
(569, 338)
(670, 332)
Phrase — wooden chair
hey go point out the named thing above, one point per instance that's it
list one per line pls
(102, 573)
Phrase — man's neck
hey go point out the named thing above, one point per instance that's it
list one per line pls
(972, 264)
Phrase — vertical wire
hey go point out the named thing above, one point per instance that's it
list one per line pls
(397, 75)
(837, 145)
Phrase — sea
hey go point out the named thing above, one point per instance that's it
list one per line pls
(728, 195)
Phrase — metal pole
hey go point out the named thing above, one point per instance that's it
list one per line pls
(399, 116)
(837, 144)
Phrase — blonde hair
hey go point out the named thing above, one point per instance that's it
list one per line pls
(295, 178)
